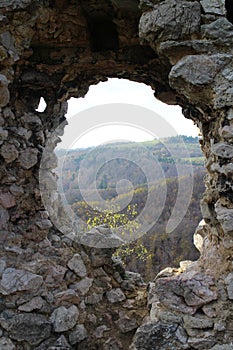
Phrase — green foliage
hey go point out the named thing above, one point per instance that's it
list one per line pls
(113, 217)
(126, 224)
(136, 249)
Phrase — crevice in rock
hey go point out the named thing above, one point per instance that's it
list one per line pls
(103, 34)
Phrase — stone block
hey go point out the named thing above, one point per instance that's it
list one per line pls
(64, 319)
(115, 296)
(216, 7)
(229, 284)
(14, 280)
(77, 265)
(78, 334)
(30, 327)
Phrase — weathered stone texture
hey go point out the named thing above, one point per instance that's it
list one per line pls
(14, 280)
(61, 292)
(64, 319)
(32, 328)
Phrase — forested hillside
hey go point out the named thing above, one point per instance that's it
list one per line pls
(106, 166)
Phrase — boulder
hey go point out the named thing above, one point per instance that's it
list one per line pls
(32, 328)
(170, 20)
(155, 336)
(216, 7)
(6, 344)
(78, 334)
(14, 280)
(115, 295)
(83, 286)
(28, 158)
(77, 265)
(9, 152)
(64, 319)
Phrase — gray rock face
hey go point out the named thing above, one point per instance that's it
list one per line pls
(77, 265)
(32, 121)
(170, 20)
(223, 347)
(7, 200)
(28, 158)
(227, 132)
(94, 299)
(112, 344)
(64, 319)
(225, 217)
(223, 150)
(9, 152)
(198, 70)
(125, 323)
(99, 332)
(6, 344)
(4, 92)
(199, 76)
(229, 284)
(2, 266)
(115, 296)
(201, 343)
(31, 328)
(44, 224)
(14, 280)
(3, 134)
(214, 7)
(197, 322)
(83, 286)
(35, 303)
(4, 218)
(186, 293)
(60, 344)
(15, 3)
(78, 334)
(67, 297)
(100, 237)
(155, 336)
(220, 31)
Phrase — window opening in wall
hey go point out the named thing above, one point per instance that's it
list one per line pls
(229, 8)
(107, 167)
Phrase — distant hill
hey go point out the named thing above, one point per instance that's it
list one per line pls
(152, 165)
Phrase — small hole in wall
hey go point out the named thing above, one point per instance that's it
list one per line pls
(229, 8)
(42, 105)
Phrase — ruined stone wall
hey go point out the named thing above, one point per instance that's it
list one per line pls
(55, 292)
(193, 309)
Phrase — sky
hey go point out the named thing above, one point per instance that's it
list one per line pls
(118, 91)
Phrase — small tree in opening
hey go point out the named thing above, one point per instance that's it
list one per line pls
(126, 224)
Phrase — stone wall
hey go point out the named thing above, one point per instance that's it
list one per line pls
(55, 292)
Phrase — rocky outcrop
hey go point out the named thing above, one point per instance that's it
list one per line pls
(55, 291)
(185, 304)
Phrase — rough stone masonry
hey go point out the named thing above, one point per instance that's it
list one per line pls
(54, 292)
